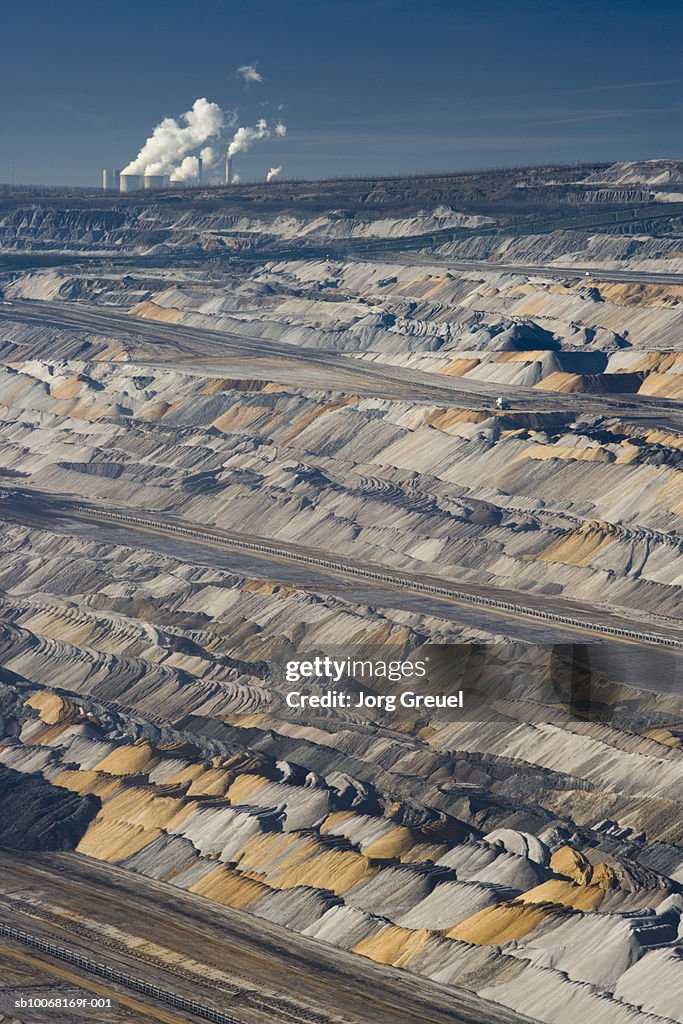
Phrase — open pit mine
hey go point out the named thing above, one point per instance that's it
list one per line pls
(242, 425)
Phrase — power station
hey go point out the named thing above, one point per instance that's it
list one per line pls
(118, 181)
(171, 155)
(115, 181)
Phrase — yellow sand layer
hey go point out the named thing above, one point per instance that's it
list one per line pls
(572, 864)
(671, 493)
(226, 886)
(152, 311)
(130, 760)
(628, 452)
(560, 381)
(665, 438)
(89, 409)
(502, 923)
(393, 844)
(290, 860)
(24, 383)
(243, 762)
(68, 388)
(186, 775)
(565, 894)
(580, 546)
(605, 877)
(305, 420)
(213, 782)
(442, 419)
(459, 367)
(243, 787)
(240, 416)
(103, 786)
(393, 945)
(154, 411)
(647, 294)
(115, 840)
(62, 625)
(666, 385)
(422, 852)
(51, 707)
(665, 736)
(268, 588)
(336, 818)
(116, 351)
(143, 807)
(48, 735)
(337, 870)
(662, 362)
(595, 453)
(527, 356)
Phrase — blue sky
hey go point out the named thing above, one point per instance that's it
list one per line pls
(378, 86)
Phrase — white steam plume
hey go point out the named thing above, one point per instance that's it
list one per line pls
(249, 73)
(188, 170)
(245, 137)
(273, 173)
(172, 140)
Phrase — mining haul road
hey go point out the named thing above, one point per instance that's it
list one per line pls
(268, 974)
(635, 653)
(339, 372)
(589, 275)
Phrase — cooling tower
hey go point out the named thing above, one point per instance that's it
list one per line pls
(156, 180)
(130, 182)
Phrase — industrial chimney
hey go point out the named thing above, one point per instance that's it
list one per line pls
(110, 180)
(228, 170)
(200, 170)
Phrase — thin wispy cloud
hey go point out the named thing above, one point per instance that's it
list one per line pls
(607, 115)
(614, 87)
(341, 141)
(249, 74)
(552, 113)
(76, 113)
